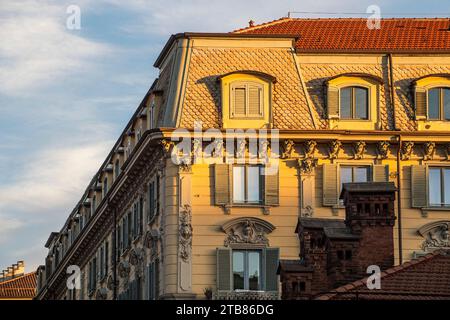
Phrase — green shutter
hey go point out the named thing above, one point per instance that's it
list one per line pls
(330, 185)
(271, 266)
(224, 269)
(221, 184)
(271, 189)
(380, 173)
(421, 103)
(419, 186)
(333, 102)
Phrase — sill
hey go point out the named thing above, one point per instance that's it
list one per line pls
(426, 210)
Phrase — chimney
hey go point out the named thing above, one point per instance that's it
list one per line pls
(370, 214)
(251, 23)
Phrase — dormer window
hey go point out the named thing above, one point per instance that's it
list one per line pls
(439, 103)
(105, 186)
(246, 99)
(354, 103)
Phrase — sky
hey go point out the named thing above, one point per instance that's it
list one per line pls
(66, 94)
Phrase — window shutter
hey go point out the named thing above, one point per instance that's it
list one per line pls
(421, 103)
(380, 173)
(271, 189)
(418, 186)
(333, 102)
(221, 184)
(271, 266)
(239, 101)
(254, 101)
(330, 185)
(224, 269)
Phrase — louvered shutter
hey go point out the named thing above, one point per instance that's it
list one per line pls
(224, 269)
(330, 185)
(221, 184)
(271, 257)
(419, 186)
(239, 101)
(254, 101)
(380, 173)
(420, 102)
(333, 102)
(271, 189)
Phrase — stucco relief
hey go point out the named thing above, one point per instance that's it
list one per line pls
(436, 235)
(429, 149)
(247, 231)
(185, 233)
(383, 149)
(335, 147)
(359, 149)
(407, 149)
(288, 149)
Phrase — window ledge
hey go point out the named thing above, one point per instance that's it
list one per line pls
(425, 210)
(266, 208)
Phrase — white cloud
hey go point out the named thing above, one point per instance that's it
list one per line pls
(53, 181)
(8, 226)
(36, 48)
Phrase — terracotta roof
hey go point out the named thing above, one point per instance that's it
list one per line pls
(353, 34)
(20, 287)
(425, 278)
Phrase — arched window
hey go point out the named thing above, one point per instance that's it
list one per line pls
(439, 103)
(354, 103)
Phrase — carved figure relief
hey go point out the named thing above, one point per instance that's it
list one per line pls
(383, 149)
(359, 149)
(247, 231)
(288, 149)
(436, 235)
(335, 146)
(407, 148)
(429, 149)
(185, 233)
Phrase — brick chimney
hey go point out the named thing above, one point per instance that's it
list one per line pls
(370, 214)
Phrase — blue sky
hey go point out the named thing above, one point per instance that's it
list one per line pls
(65, 95)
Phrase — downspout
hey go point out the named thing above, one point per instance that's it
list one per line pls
(399, 180)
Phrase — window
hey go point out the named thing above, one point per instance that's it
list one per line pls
(105, 186)
(354, 174)
(354, 103)
(439, 103)
(116, 169)
(152, 115)
(439, 187)
(93, 206)
(246, 270)
(247, 184)
(153, 199)
(246, 100)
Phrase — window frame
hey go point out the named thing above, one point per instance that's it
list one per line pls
(261, 185)
(246, 269)
(441, 169)
(441, 107)
(246, 85)
(353, 88)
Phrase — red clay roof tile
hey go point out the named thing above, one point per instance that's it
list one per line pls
(353, 34)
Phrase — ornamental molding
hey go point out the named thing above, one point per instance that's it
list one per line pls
(436, 235)
(383, 149)
(247, 230)
(101, 294)
(288, 149)
(124, 269)
(263, 152)
(429, 149)
(167, 146)
(406, 151)
(241, 148)
(110, 282)
(359, 148)
(335, 147)
(307, 165)
(185, 232)
(310, 148)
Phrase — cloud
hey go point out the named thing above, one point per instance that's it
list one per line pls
(8, 226)
(37, 48)
(53, 180)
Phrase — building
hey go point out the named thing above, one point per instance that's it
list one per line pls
(350, 103)
(15, 284)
